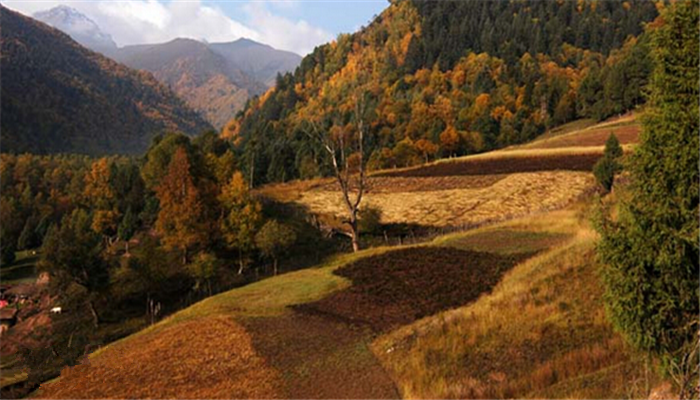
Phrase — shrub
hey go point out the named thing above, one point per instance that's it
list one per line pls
(370, 219)
(606, 168)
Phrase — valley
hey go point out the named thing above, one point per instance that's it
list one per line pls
(463, 199)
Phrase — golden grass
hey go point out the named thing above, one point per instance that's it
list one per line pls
(510, 196)
(542, 332)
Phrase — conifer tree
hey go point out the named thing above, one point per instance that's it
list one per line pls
(650, 251)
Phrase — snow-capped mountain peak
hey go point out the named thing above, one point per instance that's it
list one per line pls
(78, 26)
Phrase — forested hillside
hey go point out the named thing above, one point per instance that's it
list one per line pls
(58, 96)
(450, 78)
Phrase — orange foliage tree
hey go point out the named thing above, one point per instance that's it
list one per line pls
(180, 219)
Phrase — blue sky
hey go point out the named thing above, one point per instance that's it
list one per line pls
(334, 16)
(293, 25)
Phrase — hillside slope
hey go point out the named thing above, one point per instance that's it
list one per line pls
(308, 334)
(58, 96)
(519, 299)
(444, 79)
(207, 81)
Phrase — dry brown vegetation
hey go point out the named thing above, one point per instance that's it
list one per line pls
(320, 357)
(199, 359)
(627, 134)
(509, 196)
(542, 332)
(505, 163)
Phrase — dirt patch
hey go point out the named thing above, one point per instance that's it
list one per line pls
(206, 358)
(500, 165)
(320, 357)
(399, 287)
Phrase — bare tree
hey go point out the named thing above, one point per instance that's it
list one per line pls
(341, 148)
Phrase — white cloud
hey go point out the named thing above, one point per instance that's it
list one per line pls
(282, 33)
(152, 21)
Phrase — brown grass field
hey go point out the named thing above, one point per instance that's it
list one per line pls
(626, 134)
(205, 359)
(509, 196)
(541, 332)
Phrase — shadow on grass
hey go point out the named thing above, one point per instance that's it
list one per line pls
(23, 270)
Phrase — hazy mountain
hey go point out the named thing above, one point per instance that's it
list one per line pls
(78, 26)
(259, 61)
(207, 81)
(214, 79)
(58, 96)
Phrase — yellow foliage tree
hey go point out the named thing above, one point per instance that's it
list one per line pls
(242, 217)
(100, 196)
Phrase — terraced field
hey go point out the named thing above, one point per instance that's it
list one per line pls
(549, 173)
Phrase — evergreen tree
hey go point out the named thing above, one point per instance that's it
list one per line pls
(651, 250)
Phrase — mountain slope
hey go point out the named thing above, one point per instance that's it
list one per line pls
(437, 89)
(259, 61)
(205, 80)
(58, 96)
(79, 27)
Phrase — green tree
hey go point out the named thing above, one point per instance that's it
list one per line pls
(651, 250)
(127, 228)
(72, 254)
(275, 239)
(606, 168)
(203, 269)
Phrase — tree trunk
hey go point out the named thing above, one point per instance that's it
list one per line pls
(95, 317)
(240, 262)
(274, 266)
(127, 248)
(354, 234)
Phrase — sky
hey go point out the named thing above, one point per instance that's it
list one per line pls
(292, 25)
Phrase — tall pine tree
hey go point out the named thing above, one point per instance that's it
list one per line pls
(651, 251)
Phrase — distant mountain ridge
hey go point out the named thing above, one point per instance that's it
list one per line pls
(58, 96)
(260, 61)
(204, 79)
(78, 26)
(215, 79)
